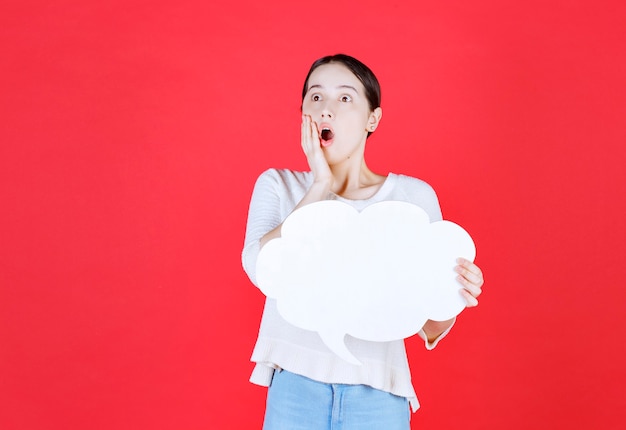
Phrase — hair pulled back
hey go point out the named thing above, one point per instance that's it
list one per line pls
(358, 69)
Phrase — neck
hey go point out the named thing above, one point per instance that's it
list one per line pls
(355, 180)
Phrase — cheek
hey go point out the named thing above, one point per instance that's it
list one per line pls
(358, 118)
(307, 108)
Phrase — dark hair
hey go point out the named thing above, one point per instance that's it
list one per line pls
(360, 70)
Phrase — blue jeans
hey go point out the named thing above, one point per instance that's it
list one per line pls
(295, 402)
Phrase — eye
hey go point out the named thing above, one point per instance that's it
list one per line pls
(316, 97)
(345, 98)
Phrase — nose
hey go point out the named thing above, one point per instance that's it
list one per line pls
(327, 112)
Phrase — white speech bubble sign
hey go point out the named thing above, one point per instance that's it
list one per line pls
(377, 275)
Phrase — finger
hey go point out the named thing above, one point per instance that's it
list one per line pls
(470, 300)
(469, 265)
(309, 135)
(472, 288)
(470, 276)
(315, 134)
(304, 133)
(470, 271)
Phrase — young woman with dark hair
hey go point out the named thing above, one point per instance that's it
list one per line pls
(309, 386)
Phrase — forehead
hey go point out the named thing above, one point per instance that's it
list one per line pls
(334, 75)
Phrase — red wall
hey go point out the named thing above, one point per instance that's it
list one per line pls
(131, 134)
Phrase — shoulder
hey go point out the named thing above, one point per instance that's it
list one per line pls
(418, 192)
(283, 180)
(412, 184)
(284, 175)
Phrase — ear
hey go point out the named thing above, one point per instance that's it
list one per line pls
(374, 119)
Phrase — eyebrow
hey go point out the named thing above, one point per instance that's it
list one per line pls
(349, 87)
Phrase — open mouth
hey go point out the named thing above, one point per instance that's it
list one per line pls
(327, 136)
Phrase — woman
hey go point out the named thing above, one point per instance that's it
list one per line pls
(310, 387)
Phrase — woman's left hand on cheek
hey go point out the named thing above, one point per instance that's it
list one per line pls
(471, 277)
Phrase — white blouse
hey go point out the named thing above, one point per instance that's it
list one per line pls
(281, 345)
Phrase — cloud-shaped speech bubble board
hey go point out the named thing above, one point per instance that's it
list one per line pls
(376, 275)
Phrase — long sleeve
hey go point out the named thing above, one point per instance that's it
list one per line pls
(282, 345)
(276, 193)
(263, 216)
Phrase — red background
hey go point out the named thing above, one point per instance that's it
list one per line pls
(132, 134)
